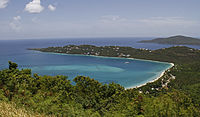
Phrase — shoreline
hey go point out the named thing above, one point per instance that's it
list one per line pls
(137, 86)
(106, 57)
(161, 75)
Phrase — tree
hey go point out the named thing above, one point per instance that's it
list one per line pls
(12, 65)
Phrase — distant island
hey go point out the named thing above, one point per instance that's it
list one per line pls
(174, 40)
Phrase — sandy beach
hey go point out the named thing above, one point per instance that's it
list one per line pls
(172, 64)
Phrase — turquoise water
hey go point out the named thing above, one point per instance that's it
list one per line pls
(126, 72)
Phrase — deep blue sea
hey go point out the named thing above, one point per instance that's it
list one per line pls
(126, 72)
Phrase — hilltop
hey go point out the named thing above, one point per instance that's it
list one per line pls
(174, 40)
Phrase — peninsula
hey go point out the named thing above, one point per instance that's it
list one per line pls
(176, 54)
(174, 40)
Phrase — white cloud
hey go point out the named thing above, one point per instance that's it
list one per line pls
(34, 7)
(35, 20)
(51, 7)
(153, 26)
(167, 21)
(113, 27)
(15, 24)
(3, 3)
(17, 18)
(111, 18)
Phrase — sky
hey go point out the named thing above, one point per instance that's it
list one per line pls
(31, 19)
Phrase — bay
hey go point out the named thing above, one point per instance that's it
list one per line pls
(126, 72)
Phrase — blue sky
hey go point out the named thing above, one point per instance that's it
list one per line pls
(28, 19)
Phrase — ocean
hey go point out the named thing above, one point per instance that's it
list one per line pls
(127, 72)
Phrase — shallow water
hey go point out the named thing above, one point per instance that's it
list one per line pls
(126, 72)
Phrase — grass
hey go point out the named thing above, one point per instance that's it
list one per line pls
(11, 110)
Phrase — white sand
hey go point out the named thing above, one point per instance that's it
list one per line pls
(172, 64)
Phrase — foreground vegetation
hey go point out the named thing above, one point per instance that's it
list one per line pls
(55, 95)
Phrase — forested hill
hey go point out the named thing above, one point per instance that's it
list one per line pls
(177, 54)
(175, 40)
